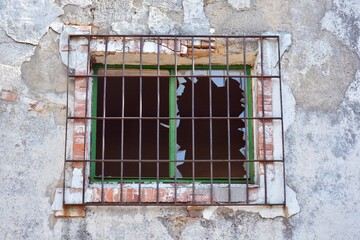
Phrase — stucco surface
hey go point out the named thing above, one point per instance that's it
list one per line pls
(321, 107)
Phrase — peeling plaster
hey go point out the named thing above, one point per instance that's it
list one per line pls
(240, 4)
(13, 53)
(35, 72)
(289, 106)
(80, 3)
(159, 23)
(321, 70)
(343, 20)
(57, 26)
(27, 26)
(322, 143)
(292, 208)
(63, 43)
(195, 20)
(136, 25)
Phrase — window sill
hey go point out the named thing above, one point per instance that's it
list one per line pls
(165, 195)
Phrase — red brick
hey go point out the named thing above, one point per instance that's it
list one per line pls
(81, 71)
(96, 195)
(116, 195)
(78, 164)
(8, 96)
(109, 195)
(268, 146)
(132, 195)
(73, 211)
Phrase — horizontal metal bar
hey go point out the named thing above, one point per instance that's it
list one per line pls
(173, 118)
(178, 76)
(171, 36)
(154, 204)
(168, 161)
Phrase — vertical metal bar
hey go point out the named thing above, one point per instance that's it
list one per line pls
(103, 121)
(174, 107)
(122, 124)
(228, 117)
(263, 114)
(140, 116)
(86, 115)
(157, 120)
(94, 112)
(246, 122)
(211, 129)
(282, 122)
(192, 119)
(67, 121)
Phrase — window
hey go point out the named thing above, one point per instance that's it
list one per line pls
(201, 136)
(174, 120)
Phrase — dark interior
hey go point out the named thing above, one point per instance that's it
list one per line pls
(131, 144)
(219, 129)
(150, 128)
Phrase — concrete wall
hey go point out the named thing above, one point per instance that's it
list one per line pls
(322, 116)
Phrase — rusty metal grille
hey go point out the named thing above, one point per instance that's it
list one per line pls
(174, 120)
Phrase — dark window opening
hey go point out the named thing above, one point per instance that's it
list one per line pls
(209, 128)
(220, 130)
(129, 129)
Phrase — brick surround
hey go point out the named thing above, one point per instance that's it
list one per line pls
(129, 193)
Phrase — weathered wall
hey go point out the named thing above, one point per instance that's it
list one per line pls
(322, 112)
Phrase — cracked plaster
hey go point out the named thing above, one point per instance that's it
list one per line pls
(195, 20)
(159, 23)
(13, 53)
(322, 147)
(240, 4)
(332, 150)
(25, 25)
(37, 68)
(80, 3)
(343, 21)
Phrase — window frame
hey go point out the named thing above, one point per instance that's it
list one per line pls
(172, 142)
(261, 52)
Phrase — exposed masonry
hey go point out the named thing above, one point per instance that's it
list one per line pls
(7, 94)
(74, 172)
(322, 142)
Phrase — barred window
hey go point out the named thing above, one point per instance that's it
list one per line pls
(200, 136)
(173, 120)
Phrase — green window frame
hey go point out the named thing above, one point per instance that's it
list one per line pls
(172, 124)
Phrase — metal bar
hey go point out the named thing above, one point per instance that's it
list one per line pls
(282, 122)
(171, 37)
(173, 204)
(246, 124)
(103, 126)
(140, 117)
(177, 118)
(157, 120)
(66, 125)
(122, 124)
(211, 128)
(85, 121)
(228, 116)
(164, 161)
(175, 75)
(192, 120)
(174, 122)
(263, 114)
